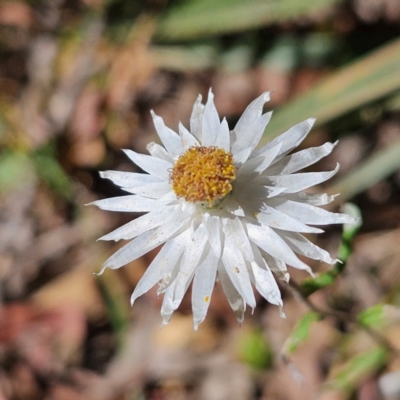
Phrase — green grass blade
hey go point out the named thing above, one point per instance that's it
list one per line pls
(373, 170)
(194, 19)
(368, 79)
(301, 332)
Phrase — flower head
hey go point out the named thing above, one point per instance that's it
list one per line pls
(222, 209)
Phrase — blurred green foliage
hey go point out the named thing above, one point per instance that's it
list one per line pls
(254, 350)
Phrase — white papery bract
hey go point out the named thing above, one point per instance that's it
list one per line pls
(240, 236)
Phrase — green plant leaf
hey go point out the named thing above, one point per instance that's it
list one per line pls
(373, 170)
(368, 79)
(254, 350)
(15, 169)
(300, 332)
(358, 368)
(373, 317)
(51, 172)
(199, 18)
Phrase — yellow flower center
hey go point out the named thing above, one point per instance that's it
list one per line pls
(203, 174)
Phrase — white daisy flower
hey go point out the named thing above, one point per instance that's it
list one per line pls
(223, 210)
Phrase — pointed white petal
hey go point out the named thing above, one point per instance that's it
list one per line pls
(169, 198)
(259, 128)
(277, 219)
(289, 139)
(158, 151)
(152, 190)
(127, 253)
(196, 118)
(302, 159)
(213, 228)
(188, 140)
(223, 138)
(203, 285)
(242, 156)
(168, 137)
(309, 198)
(161, 267)
(249, 129)
(236, 268)
(297, 182)
(274, 191)
(268, 240)
(148, 241)
(234, 229)
(266, 285)
(211, 123)
(256, 165)
(130, 203)
(167, 307)
(230, 205)
(153, 165)
(190, 261)
(140, 225)
(234, 298)
(278, 267)
(310, 214)
(303, 246)
(253, 134)
(264, 281)
(128, 179)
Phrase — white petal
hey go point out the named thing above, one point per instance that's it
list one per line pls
(253, 135)
(234, 298)
(211, 123)
(158, 151)
(289, 139)
(256, 165)
(278, 267)
(140, 225)
(167, 307)
(274, 191)
(190, 260)
(188, 140)
(236, 268)
(258, 128)
(223, 138)
(161, 267)
(234, 229)
(169, 197)
(230, 205)
(277, 219)
(266, 285)
(128, 252)
(196, 118)
(203, 285)
(310, 214)
(297, 182)
(247, 129)
(148, 241)
(153, 165)
(303, 246)
(302, 159)
(264, 281)
(152, 190)
(168, 137)
(309, 198)
(130, 203)
(242, 156)
(213, 228)
(128, 179)
(268, 240)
